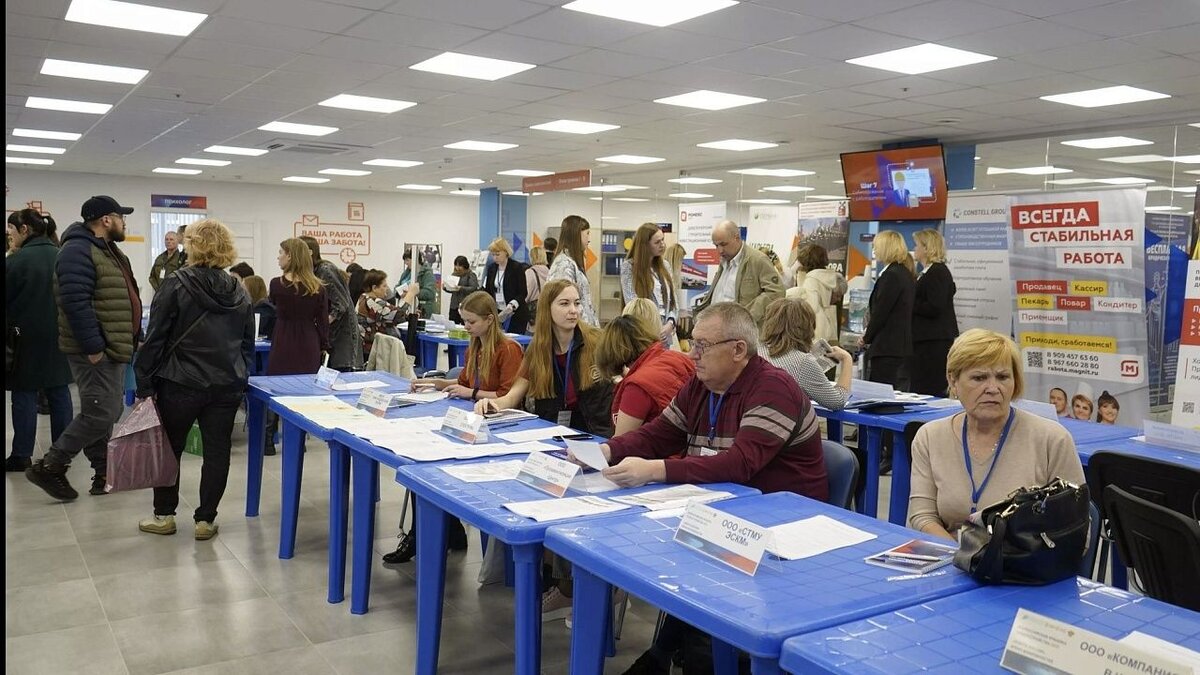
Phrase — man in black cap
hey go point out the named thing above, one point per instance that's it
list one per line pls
(99, 323)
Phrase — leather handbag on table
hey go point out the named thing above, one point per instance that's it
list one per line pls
(1036, 536)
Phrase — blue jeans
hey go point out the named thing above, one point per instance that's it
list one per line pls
(24, 417)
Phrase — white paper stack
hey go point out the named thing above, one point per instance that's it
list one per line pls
(675, 497)
(485, 472)
(543, 510)
(813, 536)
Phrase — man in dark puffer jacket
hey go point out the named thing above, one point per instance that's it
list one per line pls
(99, 321)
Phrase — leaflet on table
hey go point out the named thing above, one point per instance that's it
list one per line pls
(726, 538)
(429, 446)
(543, 510)
(465, 425)
(938, 403)
(421, 396)
(359, 386)
(485, 472)
(814, 536)
(509, 415)
(1038, 644)
(374, 401)
(327, 411)
(916, 555)
(674, 497)
(535, 434)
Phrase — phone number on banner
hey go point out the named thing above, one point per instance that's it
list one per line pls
(1129, 368)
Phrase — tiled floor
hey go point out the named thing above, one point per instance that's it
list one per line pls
(85, 592)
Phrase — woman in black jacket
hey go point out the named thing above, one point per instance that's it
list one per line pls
(195, 363)
(888, 337)
(934, 325)
(504, 279)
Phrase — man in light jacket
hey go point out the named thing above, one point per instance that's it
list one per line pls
(746, 276)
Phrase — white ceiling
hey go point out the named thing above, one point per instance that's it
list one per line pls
(255, 61)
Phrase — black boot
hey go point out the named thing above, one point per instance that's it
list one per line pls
(53, 479)
(456, 534)
(405, 551)
(17, 464)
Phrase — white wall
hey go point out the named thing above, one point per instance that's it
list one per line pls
(268, 211)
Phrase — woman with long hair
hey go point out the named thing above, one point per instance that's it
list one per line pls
(934, 324)
(559, 369)
(493, 359)
(673, 257)
(787, 334)
(301, 313)
(645, 275)
(263, 309)
(196, 360)
(535, 278)
(569, 263)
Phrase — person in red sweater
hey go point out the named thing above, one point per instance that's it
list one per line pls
(651, 374)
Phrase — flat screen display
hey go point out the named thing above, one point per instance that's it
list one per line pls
(900, 184)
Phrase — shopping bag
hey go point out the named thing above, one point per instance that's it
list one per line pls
(139, 454)
(194, 444)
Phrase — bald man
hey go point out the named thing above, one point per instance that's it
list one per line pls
(746, 276)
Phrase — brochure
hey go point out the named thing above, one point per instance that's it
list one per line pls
(915, 556)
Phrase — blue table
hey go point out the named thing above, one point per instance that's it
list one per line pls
(1084, 432)
(482, 505)
(456, 348)
(966, 633)
(1129, 446)
(753, 614)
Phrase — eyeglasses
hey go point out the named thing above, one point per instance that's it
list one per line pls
(701, 346)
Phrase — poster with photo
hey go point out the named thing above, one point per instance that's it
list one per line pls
(1186, 409)
(1166, 277)
(826, 224)
(696, 223)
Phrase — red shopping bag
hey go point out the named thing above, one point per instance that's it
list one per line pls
(139, 454)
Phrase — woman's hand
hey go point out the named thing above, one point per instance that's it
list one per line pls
(425, 384)
(668, 330)
(458, 391)
(841, 356)
(486, 406)
(635, 471)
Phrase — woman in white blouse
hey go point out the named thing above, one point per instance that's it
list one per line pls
(568, 262)
(645, 275)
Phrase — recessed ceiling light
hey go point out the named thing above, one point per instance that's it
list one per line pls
(418, 186)
(173, 170)
(574, 127)
(764, 201)
(1071, 181)
(689, 195)
(464, 181)
(465, 193)
(67, 105)
(528, 173)
(596, 199)
(398, 163)
(1124, 180)
(626, 199)
(476, 67)
(1096, 98)
(774, 173)
(1107, 142)
(608, 218)
(305, 179)
(299, 129)
(1029, 170)
(630, 159)
(203, 162)
(39, 149)
(92, 71)
(1164, 188)
(693, 180)
(919, 59)
(824, 196)
(788, 188)
(737, 145)
(28, 160)
(235, 150)
(1186, 159)
(47, 135)
(709, 100)
(482, 146)
(1195, 124)
(839, 182)
(344, 172)
(366, 103)
(1163, 208)
(1193, 172)
(1135, 159)
(616, 187)
(659, 13)
(133, 16)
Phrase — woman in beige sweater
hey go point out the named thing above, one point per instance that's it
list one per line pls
(964, 463)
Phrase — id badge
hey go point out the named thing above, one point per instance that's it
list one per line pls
(564, 418)
(707, 452)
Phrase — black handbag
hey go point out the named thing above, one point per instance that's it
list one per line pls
(12, 345)
(1036, 536)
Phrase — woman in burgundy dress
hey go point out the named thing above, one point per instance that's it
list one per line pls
(301, 321)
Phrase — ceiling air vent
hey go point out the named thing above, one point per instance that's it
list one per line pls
(286, 145)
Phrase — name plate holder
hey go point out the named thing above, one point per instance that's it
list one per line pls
(465, 425)
(1171, 435)
(1038, 644)
(374, 401)
(548, 474)
(730, 540)
(326, 377)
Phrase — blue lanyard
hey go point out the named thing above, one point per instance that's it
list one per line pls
(976, 492)
(565, 374)
(713, 414)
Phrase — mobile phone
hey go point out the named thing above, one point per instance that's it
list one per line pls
(573, 437)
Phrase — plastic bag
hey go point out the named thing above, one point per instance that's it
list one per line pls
(139, 454)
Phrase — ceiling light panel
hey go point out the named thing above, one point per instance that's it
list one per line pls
(693, 180)
(705, 99)
(366, 103)
(92, 71)
(47, 135)
(630, 159)
(464, 181)
(203, 162)
(655, 13)
(298, 129)
(28, 160)
(36, 149)
(475, 67)
(764, 201)
(1097, 98)
(689, 195)
(575, 127)
(788, 188)
(774, 173)
(305, 179)
(395, 163)
(627, 199)
(525, 173)
(481, 146)
(1107, 142)
(344, 172)
(1135, 159)
(235, 150)
(173, 170)
(926, 58)
(1124, 180)
(133, 16)
(1186, 159)
(737, 145)
(418, 186)
(67, 105)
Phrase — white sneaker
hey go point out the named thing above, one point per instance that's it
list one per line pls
(158, 525)
(555, 605)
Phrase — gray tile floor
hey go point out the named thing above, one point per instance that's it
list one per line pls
(85, 592)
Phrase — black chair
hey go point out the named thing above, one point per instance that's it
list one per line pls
(1161, 545)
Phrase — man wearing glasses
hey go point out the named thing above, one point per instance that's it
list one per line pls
(99, 321)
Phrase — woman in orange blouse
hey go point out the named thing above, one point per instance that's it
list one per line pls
(492, 358)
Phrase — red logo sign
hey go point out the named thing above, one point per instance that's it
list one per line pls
(707, 256)
(1068, 214)
(1074, 302)
(568, 180)
(1130, 368)
(1042, 286)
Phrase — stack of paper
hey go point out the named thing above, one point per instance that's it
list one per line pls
(421, 397)
(485, 472)
(543, 510)
(536, 434)
(674, 497)
(359, 386)
(327, 411)
(813, 536)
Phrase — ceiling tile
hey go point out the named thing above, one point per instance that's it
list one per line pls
(307, 14)
(613, 63)
(1133, 17)
(844, 42)
(490, 15)
(1020, 38)
(941, 19)
(753, 24)
(665, 43)
(841, 11)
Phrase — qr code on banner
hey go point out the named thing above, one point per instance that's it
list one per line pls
(1189, 407)
(1033, 359)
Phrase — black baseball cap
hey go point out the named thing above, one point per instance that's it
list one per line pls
(100, 206)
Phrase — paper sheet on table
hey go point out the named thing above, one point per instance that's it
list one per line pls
(421, 396)
(674, 497)
(358, 386)
(943, 403)
(543, 510)
(429, 446)
(327, 411)
(813, 536)
(589, 453)
(1167, 650)
(593, 483)
(485, 472)
(536, 434)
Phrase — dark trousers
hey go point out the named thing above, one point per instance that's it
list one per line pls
(101, 402)
(455, 317)
(179, 407)
(927, 367)
(24, 417)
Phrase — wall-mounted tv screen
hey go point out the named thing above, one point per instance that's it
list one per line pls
(900, 184)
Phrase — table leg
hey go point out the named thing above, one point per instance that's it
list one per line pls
(256, 430)
(364, 478)
(527, 632)
(588, 617)
(834, 430)
(429, 355)
(339, 504)
(761, 665)
(901, 479)
(293, 472)
(724, 656)
(431, 583)
(456, 355)
(868, 497)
